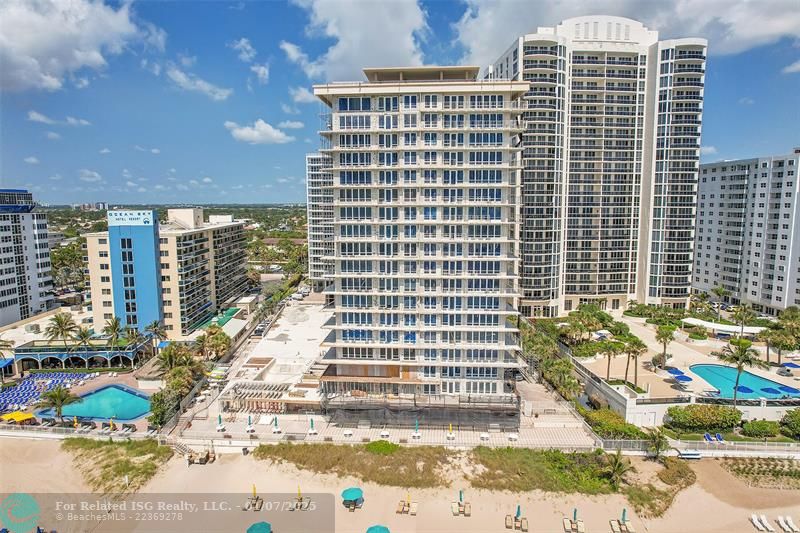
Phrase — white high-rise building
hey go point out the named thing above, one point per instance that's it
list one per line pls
(425, 183)
(748, 231)
(610, 161)
(26, 287)
(319, 189)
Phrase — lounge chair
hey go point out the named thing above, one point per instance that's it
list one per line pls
(523, 524)
(567, 523)
(757, 523)
(401, 507)
(581, 526)
(412, 510)
(720, 439)
(510, 523)
(790, 523)
(629, 526)
(784, 525)
(615, 526)
(467, 509)
(454, 508)
(707, 438)
(766, 524)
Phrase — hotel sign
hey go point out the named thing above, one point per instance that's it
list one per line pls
(130, 218)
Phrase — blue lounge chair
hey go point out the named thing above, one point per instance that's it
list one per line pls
(719, 438)
(707, 438)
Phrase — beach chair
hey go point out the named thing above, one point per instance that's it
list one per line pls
(401, 507)
(567, 524)
(467, 509)
(523, 524)
(766, 524)
(412, 510)
(790, 523)
(784, 525)
(756, 522)
(615, 526)
(719, 438)
(629, 526)
(581, 526)
(510, 522)
(454, 508)
(707, 438)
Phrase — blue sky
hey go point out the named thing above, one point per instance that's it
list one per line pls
(203, 102)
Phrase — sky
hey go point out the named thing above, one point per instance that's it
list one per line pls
(210, 101)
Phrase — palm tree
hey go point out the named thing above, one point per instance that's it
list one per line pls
(113, 329)
(616, 468)
(61, 326)
(5, 346)
(133, 337)
(611, 349)
(740, 354)
(657, 441)
(203, 345)
(743, 314)
(633, 349)
(720, 292)
(782, 339)
(157, 330)
(57, 399)
(82, 338)
(790, 320)
(664, 336)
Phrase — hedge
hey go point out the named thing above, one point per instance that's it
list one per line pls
(700, 418)
(760, 428)
(790, 424)
(698, 336)
(609, 424)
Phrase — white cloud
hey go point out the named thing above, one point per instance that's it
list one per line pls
(181, 187)
(160, 187)
(207, 180)
(291, 125)
(187, 61)
(259, 133)
(261, 72)
(126, 173)
(53, 136)
(708, 150)
(81, 83)
(746, 100)
(89, 175)
(190, 82)
(139, 148)
(289, 110)
(370, 34)
(301, 95)
(55, 177)
(141, 189)
(283, 180)
(105, 151)
(31, 160)
(155, 151)
(237, 187)
(35, 116)
(72, 121)
(172, 171)
(246, 51)
(131, 184)
(792, 69)
(194, 182)
(152, 66)
(488, 27)
(46, 41)
(153, 37)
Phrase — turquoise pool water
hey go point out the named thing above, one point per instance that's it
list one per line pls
(723, 378)
(122, 403)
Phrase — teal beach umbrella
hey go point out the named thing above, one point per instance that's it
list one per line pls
(416, 425)
(352, 494)
(574, 514)
(461, 495)
(249, 421)
(624, 515)
(519, 511)
(260, 527)
(378, 529)
(312, 423)
(276, 420)
(219, 419)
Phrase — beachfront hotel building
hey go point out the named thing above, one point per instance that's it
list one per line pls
(610, 161)
(424, 166)
(319, 202)
(181, 272)
(26, 286)
(748, 231)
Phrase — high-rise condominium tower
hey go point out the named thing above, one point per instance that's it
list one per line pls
(424, 177)
(748, 231)
(610, 160)
(26, 287)
(319, 188)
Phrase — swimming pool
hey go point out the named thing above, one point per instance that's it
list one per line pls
(723, 378)
(118, 401)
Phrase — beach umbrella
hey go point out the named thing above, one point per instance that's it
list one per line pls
(461, 495)
(260, 527)
(743, 389)
(624, 514)
(770, 390)
(254, 490)
(408, 498)
(790, 390)
(683, 379)
(75, 421)
(519, 511)
(276, 420)
(299, 494)
(352, 494)
(378, 529)
(219, 419)
(574, 514)
(675, 371)
(312, 423)
(791, 365)
(111, 423)
(416, 425)
(451, 427)
(249, 421)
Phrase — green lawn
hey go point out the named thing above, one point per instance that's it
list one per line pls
(729, 436)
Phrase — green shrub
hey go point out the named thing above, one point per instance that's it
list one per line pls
(382, 447)
(586, 349)
(790, 424)
(677, 473)
(628, 384)
(760, 429)
(702, 417)
(619, 328)
(609, 424)
(698, 336)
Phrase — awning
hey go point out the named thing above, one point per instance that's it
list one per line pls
(17, 416)
(5, 362)
(723, 328)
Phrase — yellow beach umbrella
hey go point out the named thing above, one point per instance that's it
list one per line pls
(111, 423)
(408, 498)
(299, 495)
(451, 427)
(75, 421)
(254, 490)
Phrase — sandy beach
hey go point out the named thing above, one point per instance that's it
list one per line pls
(718, 502)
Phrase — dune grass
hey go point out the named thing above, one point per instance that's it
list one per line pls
(378, 462)
(106, 464)
(650, 501)
(520, 470)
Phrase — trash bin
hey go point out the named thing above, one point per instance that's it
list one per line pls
(245, 451)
